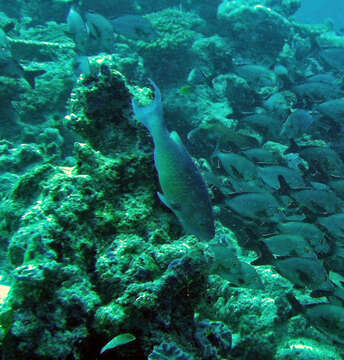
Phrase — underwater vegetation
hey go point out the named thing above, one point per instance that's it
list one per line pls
(172, 181)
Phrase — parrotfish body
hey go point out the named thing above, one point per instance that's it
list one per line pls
(184, 190)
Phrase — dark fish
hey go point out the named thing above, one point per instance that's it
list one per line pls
(279, 104)
(333, 109)
(264, 123)
(334, 224)
(237, 166)
(134, 27)
(327, 318)
(10, 67)
(320, 159)
(334, 57)
(262, 156)
(310, 232)
(325, 78)
(303, 272)
(338, 187)
(256, 206)
(316, 91)
(297, 123)
(321, 202)
(257, 76)
(224, 135)
(270, 175)
(289, 245)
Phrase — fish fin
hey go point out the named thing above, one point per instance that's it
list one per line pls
(293, 147)
(309, 215)
(304, 276)
(321, 293)
(295, 304)
(176, 138)
(96, 34)
(30, 75)
(172, 206)
(284, 188)
(265, 255)
(146, 114)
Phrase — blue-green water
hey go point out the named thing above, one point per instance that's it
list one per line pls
(218, 233)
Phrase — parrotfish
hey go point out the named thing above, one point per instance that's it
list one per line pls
(184, 190)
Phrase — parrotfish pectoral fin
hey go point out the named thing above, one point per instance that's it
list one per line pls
(147, 114)
(171, 206)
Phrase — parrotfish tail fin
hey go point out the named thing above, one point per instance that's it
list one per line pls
(30, 76)
(152, 112)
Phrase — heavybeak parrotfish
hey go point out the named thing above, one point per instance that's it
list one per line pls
(184, 190)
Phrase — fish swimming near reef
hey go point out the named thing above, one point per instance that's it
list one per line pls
(184, 190)
(10, 67)
(327, 318)
(77, 29)
(134, 27)
(100, 32)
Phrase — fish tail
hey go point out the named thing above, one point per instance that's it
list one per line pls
(149, 115)
(30, 75)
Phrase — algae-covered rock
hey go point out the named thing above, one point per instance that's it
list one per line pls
(170, 53)
(100, 106)
(256, 27)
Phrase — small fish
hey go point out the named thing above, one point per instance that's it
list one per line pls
(134, 27)
(237, 272)
(77, 29)
(10, 67)
(184, 190)
(118, 340)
